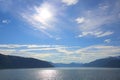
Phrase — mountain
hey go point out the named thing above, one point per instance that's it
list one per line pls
(7, 61)
(68, 65)
(111, 62)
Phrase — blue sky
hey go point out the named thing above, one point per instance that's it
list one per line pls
(60, 31)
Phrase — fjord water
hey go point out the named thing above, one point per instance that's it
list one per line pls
(61, 74)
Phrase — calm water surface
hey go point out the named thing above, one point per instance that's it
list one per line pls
(61, 74)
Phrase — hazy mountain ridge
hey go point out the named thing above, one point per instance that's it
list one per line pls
(7, 61)
(68, 65)
(113, 62)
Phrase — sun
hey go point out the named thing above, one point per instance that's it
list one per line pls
(43, 14)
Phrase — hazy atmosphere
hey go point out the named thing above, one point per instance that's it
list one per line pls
(60, 31)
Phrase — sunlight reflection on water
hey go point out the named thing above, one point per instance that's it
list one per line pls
(61, 74)
(47, 74)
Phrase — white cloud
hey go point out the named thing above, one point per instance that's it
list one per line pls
(5, 21)
(7, 51)
(97, 19)
(96, 33)
(42, 18)
(38, 49)
(60, 53)
(41, 56)
(29, 46)
(102, 34)
(92, 53)
(58, 38)
(70, 2)
(80, 20)
(11, 46)
(34, 46)
(107, 40)
(104, 6)
(63, 50)
(87, 54)
(43, 14)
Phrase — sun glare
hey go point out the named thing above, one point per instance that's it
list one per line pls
(48, 74)
(43, 14)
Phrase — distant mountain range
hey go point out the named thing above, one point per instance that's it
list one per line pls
(68, 65)
(113, 62)
(7, 61)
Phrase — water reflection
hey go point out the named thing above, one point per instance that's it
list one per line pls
(60, 74)
(47, 74)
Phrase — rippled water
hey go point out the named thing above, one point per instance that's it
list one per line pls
(61, 74)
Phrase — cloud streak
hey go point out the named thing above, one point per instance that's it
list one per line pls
(94, 21)
(70, 2)
(57, 19)
(61, 53)
(107, 40)
(42, 17)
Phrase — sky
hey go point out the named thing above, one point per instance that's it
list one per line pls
(60, 31)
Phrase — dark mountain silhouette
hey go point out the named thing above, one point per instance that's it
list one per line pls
(111, 62)
(7, 61)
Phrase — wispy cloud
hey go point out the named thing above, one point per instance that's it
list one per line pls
(29, 46)
(41, 56)
(80, 20)
(61, 53)
(63, 50)
(7, 51)
(92, 53)
(70, 2)
(94, 21)
(96, 33)
(54, 18)
(5, 21)
(11, 46)
(107, 40)
(42, 17)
